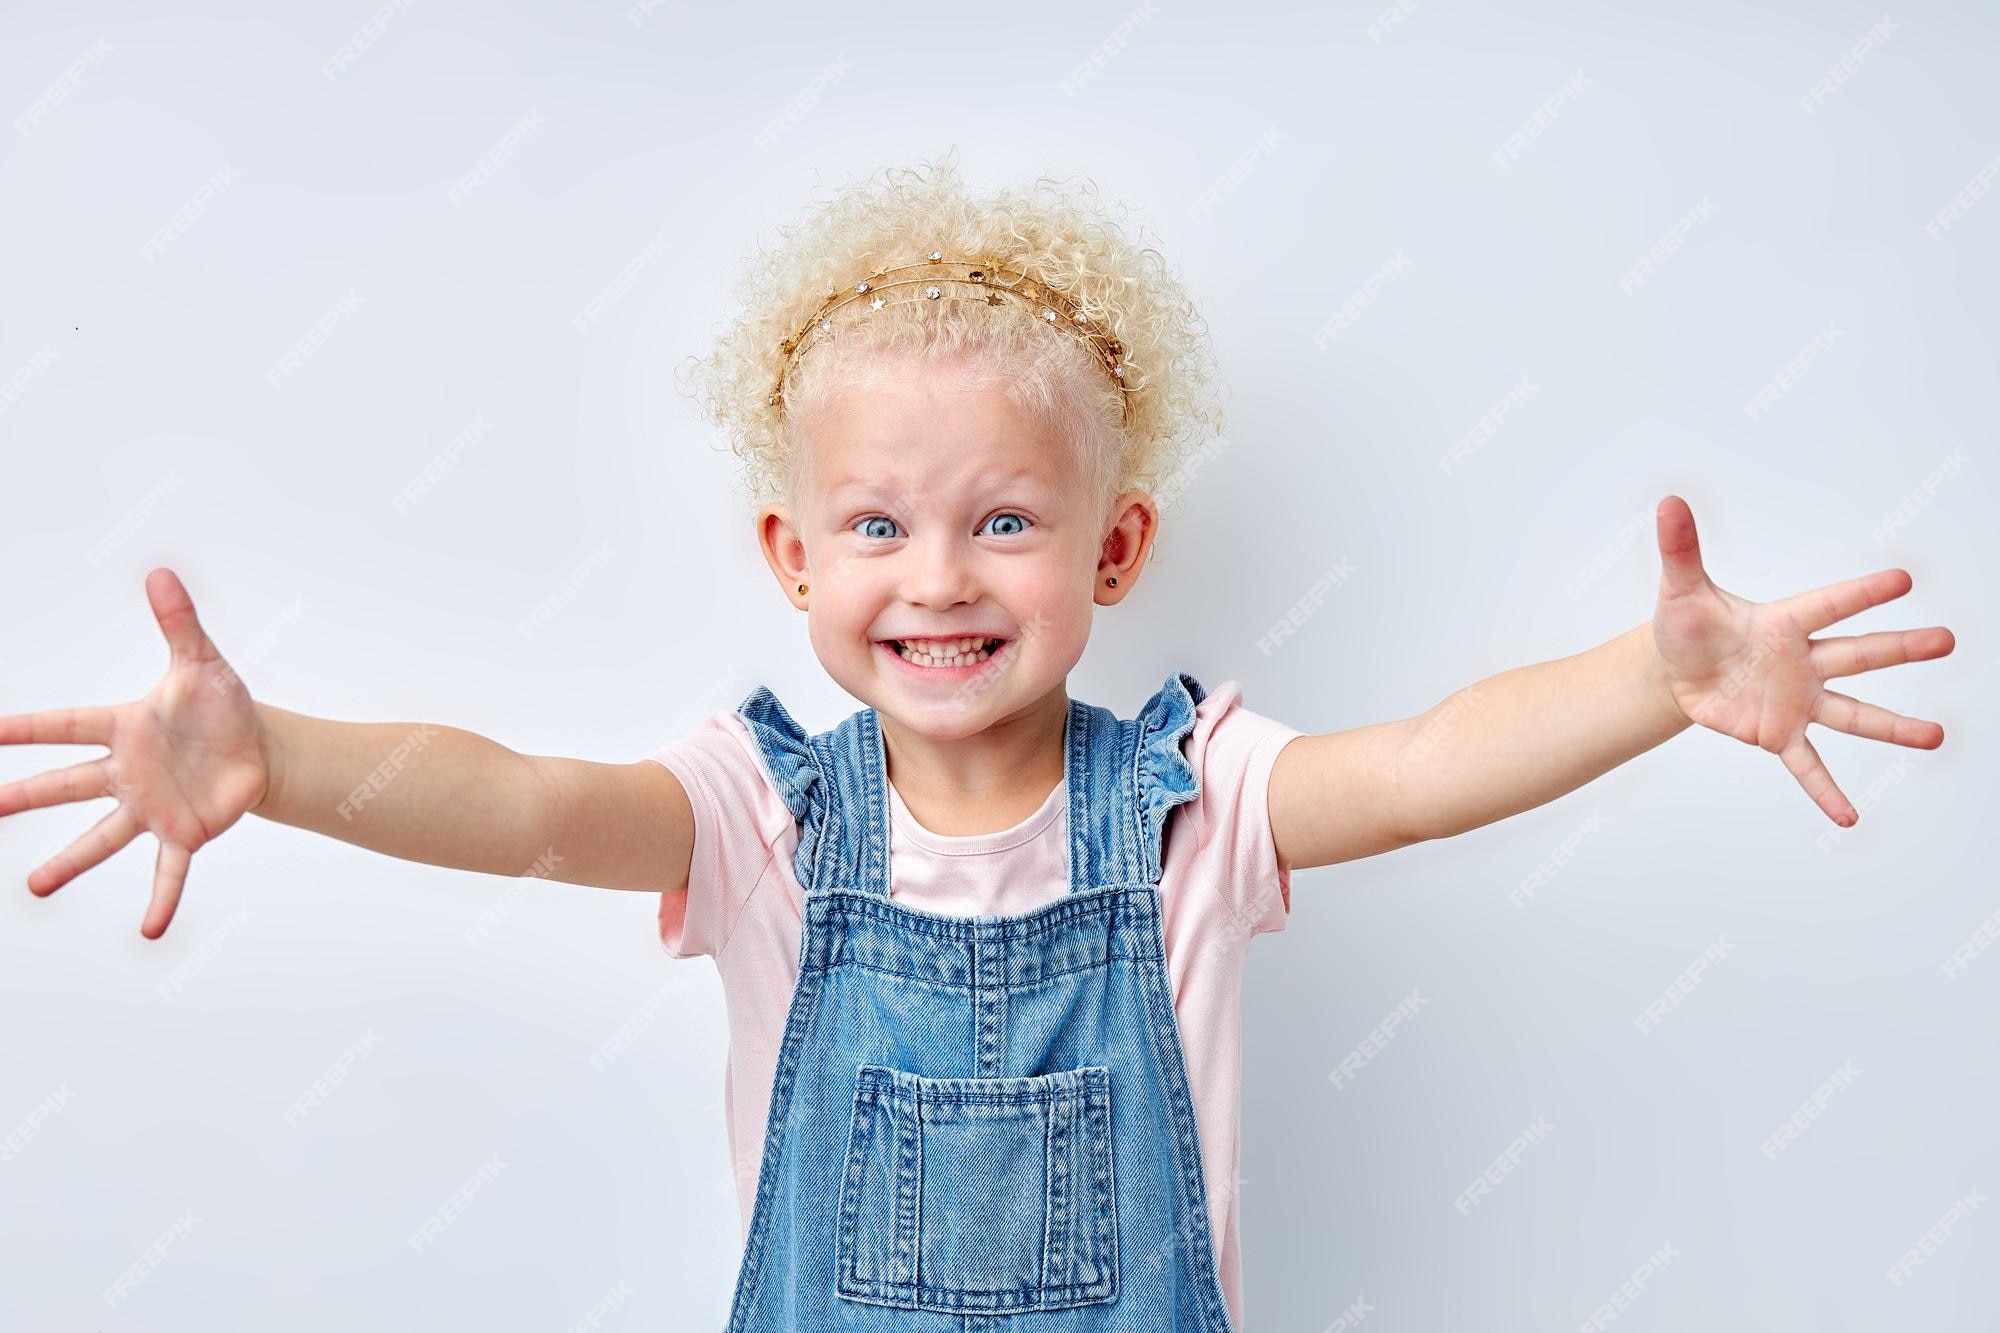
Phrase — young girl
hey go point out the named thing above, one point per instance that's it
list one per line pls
(981, 943)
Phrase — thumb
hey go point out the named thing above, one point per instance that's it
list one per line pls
(1680, 550)
(174, 609)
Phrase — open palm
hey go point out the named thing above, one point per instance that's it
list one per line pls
(185, 762)
(1751, 670)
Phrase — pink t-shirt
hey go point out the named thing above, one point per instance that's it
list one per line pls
(1220, 884)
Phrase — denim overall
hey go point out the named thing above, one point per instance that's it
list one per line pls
(982, 1122)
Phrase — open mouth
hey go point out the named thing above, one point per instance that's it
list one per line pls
(937, 653)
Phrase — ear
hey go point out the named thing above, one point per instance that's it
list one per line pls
(1126, 546)
(784, 550)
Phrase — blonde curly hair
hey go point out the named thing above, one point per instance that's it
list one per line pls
(1062, 237)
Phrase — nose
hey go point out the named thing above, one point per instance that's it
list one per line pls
(939, 572)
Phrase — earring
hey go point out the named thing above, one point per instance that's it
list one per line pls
(1113, 580)
(802, 587)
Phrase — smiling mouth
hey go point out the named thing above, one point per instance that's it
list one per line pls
(924, 652)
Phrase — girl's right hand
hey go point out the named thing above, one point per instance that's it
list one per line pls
(186, 761)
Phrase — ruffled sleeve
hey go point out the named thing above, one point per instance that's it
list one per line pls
(1163, 774)
(786, 751)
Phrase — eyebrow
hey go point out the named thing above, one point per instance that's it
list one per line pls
(985, 481)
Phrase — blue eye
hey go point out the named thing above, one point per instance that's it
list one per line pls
(877, 518)
(1010, 514)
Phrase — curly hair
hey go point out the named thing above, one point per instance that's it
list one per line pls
(1063, 237)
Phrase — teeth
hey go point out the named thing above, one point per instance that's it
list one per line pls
(945, 652)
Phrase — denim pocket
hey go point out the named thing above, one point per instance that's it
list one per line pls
(978, 1194)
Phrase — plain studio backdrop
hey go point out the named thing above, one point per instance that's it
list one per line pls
(364, 321)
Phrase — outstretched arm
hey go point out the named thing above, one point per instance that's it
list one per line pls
(427, 792)
(196, 753)
(1526, 736)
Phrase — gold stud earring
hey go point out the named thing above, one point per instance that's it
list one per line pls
(802, 587)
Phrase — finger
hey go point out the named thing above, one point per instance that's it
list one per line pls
(1680, 549)
(170, 870)
(1852, 654)
(1820, 607)
(78, 782)
(103, 838)
(1836, 710)
(57, 726)
(1803, 761)
(174, 609)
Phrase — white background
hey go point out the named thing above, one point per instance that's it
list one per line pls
(145, 432)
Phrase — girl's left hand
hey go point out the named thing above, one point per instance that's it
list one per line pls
(1752, 671)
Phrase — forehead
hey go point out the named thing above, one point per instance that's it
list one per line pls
(926, 429)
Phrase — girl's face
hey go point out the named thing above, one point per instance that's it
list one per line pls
(935, 512)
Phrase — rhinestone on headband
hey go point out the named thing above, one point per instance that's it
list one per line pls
(936, 280)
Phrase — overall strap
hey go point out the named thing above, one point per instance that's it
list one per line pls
(1134, 774)
(1123, 778)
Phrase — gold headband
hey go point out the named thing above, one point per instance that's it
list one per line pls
(957, 280)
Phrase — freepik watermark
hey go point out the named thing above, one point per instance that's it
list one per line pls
(1921, 495)
(1262, 146)
(1376, 1041)
(1845, 68)
(1682, 986)
(188, 213)
(1794, 370)
(1867, 799)
(454, 1207)
(515, 894)
(204, 954)
(602, 1308)
(1980, 941)
(256, 649)
(1503, 1166)
(1386, 21)
(386, 772)
(1302, 610)
(1175, 486)
(626, 279)
(503, 149)
(1186, 1231)
(1356, 305)
(31, 1126)
(1536, 125)
(442, 462)
(17, 383)
(1961, 203)
(1436, 725)
(58, 92)
(643, 1018)
(1550, 866)
(1628, 535)
(134, 519)
(1105, 51)
(363, 38)
(1747, 669)
(794, 111)
(1483, 429)
(1665, 248)
(1357, 1310)
(149, 1259)
(1630, 1289)
(330, 1078)
(565, 592)
(308, 346)
(1785, 1135)
(1928, 1244)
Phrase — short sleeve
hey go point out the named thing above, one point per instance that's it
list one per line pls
(740, 820)
(1227, 828)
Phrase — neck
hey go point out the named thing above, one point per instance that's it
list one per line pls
(985, 782)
